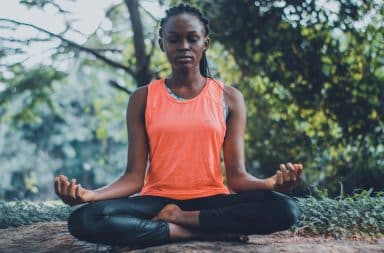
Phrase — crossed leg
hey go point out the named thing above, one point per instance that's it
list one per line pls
(125, 221)
(148, 220)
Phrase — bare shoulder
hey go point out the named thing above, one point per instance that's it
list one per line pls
(140, 94)
(232, 96)
(138, 98)
(137, 104)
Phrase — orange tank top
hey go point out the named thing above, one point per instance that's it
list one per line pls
(185, 142)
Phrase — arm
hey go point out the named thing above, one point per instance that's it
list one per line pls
(132, 180)
(238, 179)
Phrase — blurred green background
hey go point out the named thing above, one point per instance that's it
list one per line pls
(312, 74)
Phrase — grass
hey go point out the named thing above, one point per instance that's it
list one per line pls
(360, 216)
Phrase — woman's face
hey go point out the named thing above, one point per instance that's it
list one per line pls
(184, 41)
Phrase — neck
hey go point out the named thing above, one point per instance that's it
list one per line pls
(189, 79)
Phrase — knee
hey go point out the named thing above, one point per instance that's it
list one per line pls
(78, 224)
(82, 222)
(290, 212)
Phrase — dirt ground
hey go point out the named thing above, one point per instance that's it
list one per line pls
(54, 237)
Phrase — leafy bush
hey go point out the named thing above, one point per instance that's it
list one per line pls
(357, 216)
(18, 213)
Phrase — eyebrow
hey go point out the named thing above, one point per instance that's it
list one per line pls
(174, 32)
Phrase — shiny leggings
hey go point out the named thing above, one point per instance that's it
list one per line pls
(127, 221)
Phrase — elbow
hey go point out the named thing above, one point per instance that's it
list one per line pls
(139, 186)
(236, 183)
(235, 188)
(134, 184)
(231, 187)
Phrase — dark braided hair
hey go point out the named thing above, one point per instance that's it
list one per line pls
(185, 8)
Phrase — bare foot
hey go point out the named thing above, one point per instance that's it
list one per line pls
(184, 225)
(178, 233)
(170, 213)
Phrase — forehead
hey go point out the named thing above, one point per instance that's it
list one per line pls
(183, 23)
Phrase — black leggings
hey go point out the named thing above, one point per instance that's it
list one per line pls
(127, 221)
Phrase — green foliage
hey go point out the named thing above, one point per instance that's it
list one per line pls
(313, 83)
(76, 128)
(33, 86)
(13, 214)
(359, 215)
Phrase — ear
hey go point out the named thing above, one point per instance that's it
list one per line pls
(161, 44)
(207, 42)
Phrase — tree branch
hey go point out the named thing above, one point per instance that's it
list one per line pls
(24, 41)
(114, 84)
(41, 4)
(75, 45)
(112, 9)
(112, 50)
(149, 14)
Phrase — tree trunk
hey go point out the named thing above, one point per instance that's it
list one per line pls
(143, 74)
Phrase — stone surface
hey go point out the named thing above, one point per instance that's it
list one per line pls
(54, 237)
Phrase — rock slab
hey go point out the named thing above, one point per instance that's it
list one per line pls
(54, 237)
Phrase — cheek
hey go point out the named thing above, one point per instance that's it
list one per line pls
(168, 51)
(199, 51)
(199, 48)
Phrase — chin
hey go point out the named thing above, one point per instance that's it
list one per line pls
(185, 67)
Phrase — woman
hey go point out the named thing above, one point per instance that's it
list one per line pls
(182, 124)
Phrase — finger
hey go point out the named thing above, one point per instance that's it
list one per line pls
(78, 189)
(57, 186)
(64, 193)
(59, 191)
(63, 178)
(63, 185)
(279, 177)
(298, 167)
(292, 173)
(285, 172)
(71, 189)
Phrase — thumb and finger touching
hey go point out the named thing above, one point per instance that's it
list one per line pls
(286, 177)
(69, 192)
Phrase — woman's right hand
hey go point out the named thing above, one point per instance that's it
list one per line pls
(71, 193)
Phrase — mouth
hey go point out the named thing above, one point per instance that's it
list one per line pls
(183, 58)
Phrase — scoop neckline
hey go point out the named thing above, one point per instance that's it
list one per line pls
(186, 100)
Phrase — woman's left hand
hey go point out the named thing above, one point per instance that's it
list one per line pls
(285, 178)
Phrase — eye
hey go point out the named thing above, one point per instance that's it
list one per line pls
(193, 38)
(172, 39)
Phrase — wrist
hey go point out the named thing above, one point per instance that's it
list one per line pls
(93, 196)
(268, 183)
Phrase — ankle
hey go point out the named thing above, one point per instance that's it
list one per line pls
(175, 215)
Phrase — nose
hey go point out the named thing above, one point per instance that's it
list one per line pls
(183, 45)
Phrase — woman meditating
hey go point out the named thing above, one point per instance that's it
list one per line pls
(182, 124)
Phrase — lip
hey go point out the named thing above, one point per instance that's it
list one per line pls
(183, 57)
(183, 60)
